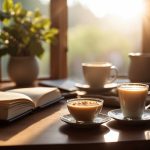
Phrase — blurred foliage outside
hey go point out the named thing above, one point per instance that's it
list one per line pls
(94, 39)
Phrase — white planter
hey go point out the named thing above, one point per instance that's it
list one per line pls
(23, 70)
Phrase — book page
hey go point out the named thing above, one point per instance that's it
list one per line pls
(14, 104)
(40, 95)
(50, 97)
(7, 98)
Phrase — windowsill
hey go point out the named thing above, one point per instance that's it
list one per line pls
(10, 85)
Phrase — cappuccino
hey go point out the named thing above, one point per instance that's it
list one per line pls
(84, 109)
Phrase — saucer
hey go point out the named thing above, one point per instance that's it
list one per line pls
(101, 118)
(87, 88)
(118, 115)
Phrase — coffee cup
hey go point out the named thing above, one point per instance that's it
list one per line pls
(97, 74)
(132, 97)
(84, 109)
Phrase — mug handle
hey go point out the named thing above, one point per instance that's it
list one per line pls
(114, 76)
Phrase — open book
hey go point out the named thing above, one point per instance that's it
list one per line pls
(18, 102)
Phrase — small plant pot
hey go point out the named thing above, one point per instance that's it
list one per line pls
(23, 70)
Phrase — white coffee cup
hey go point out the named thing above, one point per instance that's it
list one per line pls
(97, 74)
(132, 98)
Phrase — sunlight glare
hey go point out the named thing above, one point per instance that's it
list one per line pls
(124, 9)
(147, 135)
(45, 2)
(111, 136)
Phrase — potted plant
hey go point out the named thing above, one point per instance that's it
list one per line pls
(21, 37)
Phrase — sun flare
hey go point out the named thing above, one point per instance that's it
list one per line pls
(124, 9)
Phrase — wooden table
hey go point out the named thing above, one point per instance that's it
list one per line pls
(44, 130)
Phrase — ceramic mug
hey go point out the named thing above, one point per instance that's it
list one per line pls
(97, 74)
(139, 68)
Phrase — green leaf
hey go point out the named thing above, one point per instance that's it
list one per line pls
(29, 14)
(8, 5)
(6, 22)
(23, 14)
(54, 31)
(36, 48)
(48, 36)
(4, 15)
(3, 36)
(3, 51)
(18, 8)
(37, 13)
(41, 23)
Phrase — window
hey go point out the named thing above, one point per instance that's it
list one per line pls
(103, 30)
(83, 15)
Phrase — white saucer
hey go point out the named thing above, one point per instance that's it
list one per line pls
(101, 118)
(87, 88)
(117, 115)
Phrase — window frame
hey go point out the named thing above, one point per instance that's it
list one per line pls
(58, 59)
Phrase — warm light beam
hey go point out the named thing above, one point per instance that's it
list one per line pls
(124, 9)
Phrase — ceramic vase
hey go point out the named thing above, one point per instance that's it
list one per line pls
(23, 70)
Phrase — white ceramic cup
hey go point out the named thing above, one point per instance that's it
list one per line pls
(132, 98)
(97, 74)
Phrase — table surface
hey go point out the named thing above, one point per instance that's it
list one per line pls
(44, 130)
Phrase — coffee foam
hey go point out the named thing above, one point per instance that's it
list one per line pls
(96, 64)
(133, 88)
